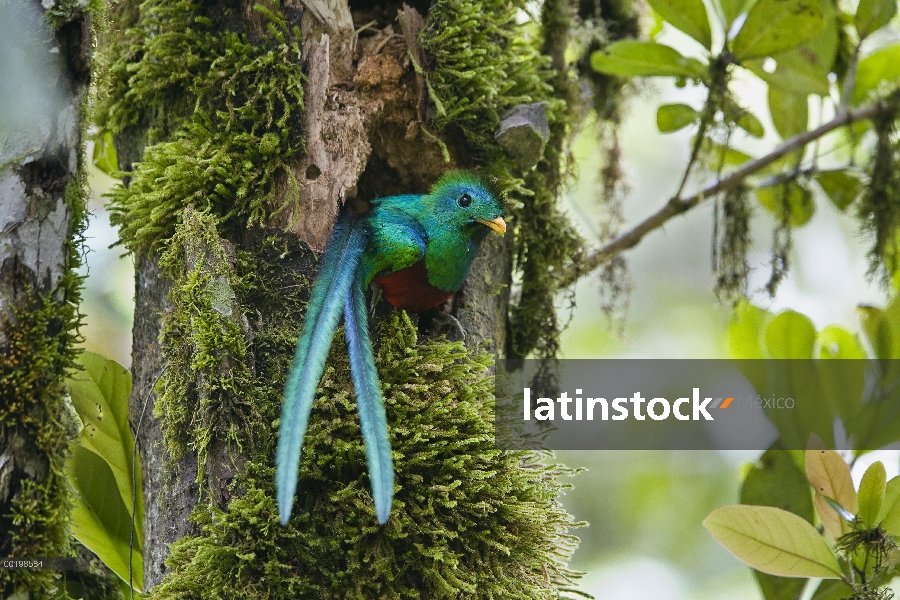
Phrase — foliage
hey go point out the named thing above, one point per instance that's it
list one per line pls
(801, 49)
(860, 524)
(100, 461)
(772, 530)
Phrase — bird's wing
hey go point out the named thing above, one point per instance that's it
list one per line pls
(397, 242)
(369, 402)
(337, 270)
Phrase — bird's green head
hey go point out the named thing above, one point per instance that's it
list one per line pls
(464, 199)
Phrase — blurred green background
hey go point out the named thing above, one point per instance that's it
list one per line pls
(645, 539)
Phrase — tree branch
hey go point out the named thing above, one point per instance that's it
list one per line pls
(678, 205)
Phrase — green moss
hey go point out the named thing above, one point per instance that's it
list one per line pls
(482, 64)
(232, 107)
(469, 521)
(208, 389)
(41, 348)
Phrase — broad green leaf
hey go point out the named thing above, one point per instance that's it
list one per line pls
(792, 76)
(790, 335)
(777, 481)
(837, 342)
(832, 589)
(773, 541)
(842, 186)
(99, 518)
(687, 15)
(672, 117)
(100, 396)
(749, 123)
(631, 58)
(104, 157)
(872, 15)
(871, 493)
(732, 9)
(890, 508)
(804, 70)
(842, 384)
(745, 332)
(725, 156)
(790, 112)
(870, 318)
(774, 26)
(830, 476)
(796, 200)
(882, 65)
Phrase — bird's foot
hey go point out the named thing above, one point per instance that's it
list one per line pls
(456, 328)
(376, 298)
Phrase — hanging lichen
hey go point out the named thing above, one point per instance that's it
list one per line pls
(731, 247)
(880, 204)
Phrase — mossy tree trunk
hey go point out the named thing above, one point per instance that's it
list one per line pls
(42, 215)
(244, 128)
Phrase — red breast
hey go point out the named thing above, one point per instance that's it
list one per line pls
(409, 289)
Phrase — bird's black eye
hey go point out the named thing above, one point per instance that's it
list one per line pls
(464, 200)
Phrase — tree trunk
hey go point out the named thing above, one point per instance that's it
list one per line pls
(233, 190)
(42, 215)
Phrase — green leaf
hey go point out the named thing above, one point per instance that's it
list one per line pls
(732, 9)
(832, 589)
(890, 508)
(99, 518)
(687, 15)
(104, 157)
(842, 186)
(830, 477)
(632, 58)
(872, 15)
(790, 335)
(778, 481)
(773, 541)
(883, 65)
(871, 493)
(790, 112)
(746, 330)
(837, 342)
(100, 396)
(749, 123)
(796, 200)
(792, 75)
(842, 386)
(672, 117)
(777, 25)
(731, 157)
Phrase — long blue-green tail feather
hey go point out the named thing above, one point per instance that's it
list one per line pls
(369, 402)
(337, 271)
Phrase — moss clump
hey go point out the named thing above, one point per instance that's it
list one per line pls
(469, 521)
(208, 389)
(233, 103)
(482, 64)
(39, 350)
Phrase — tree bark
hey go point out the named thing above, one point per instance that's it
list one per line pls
(42, 212)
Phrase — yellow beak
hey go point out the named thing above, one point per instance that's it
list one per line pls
(498, 224)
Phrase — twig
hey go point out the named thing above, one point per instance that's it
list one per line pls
(678, 205)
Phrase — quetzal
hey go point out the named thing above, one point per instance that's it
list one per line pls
(418, 249)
